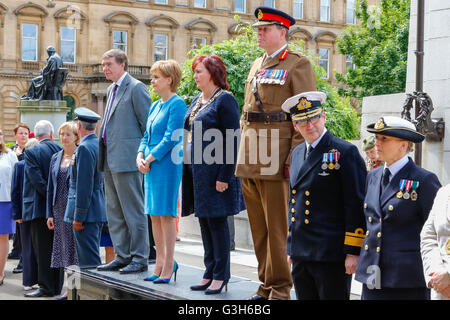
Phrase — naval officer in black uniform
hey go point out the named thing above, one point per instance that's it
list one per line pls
(326, 219)
(398, 200)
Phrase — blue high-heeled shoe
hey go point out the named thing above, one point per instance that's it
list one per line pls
(153, 277)
(167, 280)
(217, 291)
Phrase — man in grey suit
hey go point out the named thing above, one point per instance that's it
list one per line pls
(123, 126)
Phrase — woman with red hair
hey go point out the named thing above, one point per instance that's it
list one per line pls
(209, 187)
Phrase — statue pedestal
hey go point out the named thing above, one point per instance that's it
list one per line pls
(54, 111)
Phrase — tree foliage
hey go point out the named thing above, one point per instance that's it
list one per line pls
(379, 49)
(238, 55)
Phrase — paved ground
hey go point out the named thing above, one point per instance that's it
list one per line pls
(187, 252)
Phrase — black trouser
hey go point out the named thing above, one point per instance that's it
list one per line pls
(29, 275)
(216, 244)
(49, 279)
(320, 280)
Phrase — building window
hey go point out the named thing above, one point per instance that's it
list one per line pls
(161, 2)
(269, 3)
(324, 61)
(200, 3)
(239, 6)
(349, 62)
(325, 10)
(68, 44)
(298, 9)
(120, 40)
(197, 42)
(160, 47)
(351, 17)
(29, 42)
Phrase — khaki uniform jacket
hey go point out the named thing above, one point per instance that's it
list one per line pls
(253, 161)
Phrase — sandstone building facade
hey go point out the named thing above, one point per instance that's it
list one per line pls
(148, 30)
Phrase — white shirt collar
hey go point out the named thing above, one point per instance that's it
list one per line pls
(273, 55)
(397, 166)
(121, 78)
(315, 143)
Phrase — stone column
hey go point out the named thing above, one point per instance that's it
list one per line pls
(435, 155)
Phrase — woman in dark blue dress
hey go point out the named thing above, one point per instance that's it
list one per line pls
(209, 186)
(64, 252)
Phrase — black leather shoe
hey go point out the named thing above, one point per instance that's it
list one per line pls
(256, 297)
(13, 256)
(112, 266)
(37, 294)
(134, 267)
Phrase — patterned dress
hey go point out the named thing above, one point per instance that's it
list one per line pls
(64, 252)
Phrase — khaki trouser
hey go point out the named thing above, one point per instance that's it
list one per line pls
(267, 208)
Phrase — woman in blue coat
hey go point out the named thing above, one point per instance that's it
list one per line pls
(159, 158)
(209, 187)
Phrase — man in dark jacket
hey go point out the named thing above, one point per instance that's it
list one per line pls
(37, 163)
(326, 219)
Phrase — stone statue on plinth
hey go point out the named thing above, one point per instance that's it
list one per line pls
(48, 86)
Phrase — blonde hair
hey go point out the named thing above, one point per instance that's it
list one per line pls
(70, 125)
(30, 143)
(169, 68)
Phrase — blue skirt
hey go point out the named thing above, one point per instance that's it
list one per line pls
(7, 224)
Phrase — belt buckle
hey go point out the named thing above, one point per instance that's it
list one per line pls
(267, 121)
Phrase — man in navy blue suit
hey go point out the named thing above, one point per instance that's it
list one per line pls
(326, 219)
(86, 204)
(36, 169)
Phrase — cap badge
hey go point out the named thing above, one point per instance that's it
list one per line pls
(260, 14)
(379, 124)
(303, 104)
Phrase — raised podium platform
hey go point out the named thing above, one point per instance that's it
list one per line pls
(90, 284)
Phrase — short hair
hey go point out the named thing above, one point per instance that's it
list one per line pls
(119, 55)
(21, 125)
(30, 143)
(43, 128)
(287, 31)
(89, 126)
(70, 125)
(216, 68)
(169, 68)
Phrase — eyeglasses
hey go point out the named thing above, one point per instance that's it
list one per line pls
(304, 123)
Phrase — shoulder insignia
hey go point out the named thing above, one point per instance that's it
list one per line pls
(284, 55)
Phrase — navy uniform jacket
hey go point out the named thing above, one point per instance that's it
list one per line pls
(326, 219)
(393, 226)
(36, 169)
(86, 201)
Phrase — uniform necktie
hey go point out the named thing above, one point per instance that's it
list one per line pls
(385, 180)
(108, 112)
(308, 151)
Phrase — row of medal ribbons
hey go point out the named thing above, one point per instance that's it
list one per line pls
(330, 161)
(272, 76)
(405, 187)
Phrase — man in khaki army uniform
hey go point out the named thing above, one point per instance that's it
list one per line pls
(267, 139)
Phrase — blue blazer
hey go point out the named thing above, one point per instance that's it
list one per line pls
(394, 225)
(17, 190)
(52, 185)
(86, 201)
(36, 170)
(326, 206)
(199, 192)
